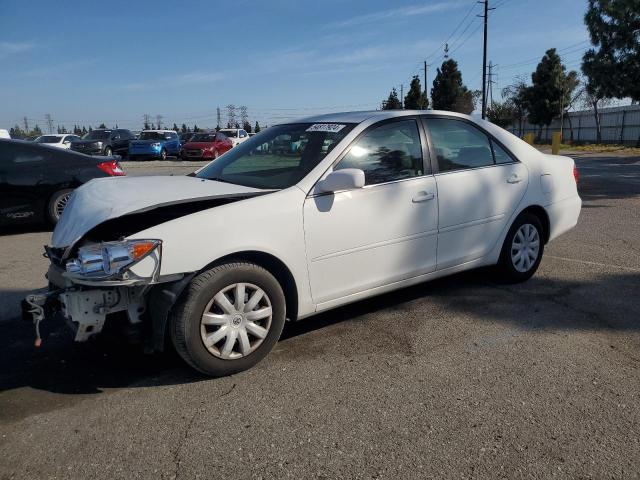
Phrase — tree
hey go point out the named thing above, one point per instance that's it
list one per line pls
(448, 92)
(175, 128)
(257, 127)
(102, 125)
(549, 90)
(501, 113)
(415, 98)
(195, 129)
(516, 95)
(614, 29)
(247, 126)
(392, 102)
(183, 129)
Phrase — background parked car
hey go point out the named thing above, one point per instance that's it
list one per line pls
(4, 133)
(155, 144)
(104, 142)
(236, 135)
(58, 140)
(36, 181)
(185, 137)
(206, 145)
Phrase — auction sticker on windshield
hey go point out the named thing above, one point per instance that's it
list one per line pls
(326, 127)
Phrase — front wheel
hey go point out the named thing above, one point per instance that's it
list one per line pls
(522, 250)
(108, 151)
(229, 318)
(163, 154)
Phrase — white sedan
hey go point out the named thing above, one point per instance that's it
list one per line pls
(59, 140)
(236, 135)
(369, 203)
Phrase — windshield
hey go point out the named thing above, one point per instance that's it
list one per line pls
(277, 157)
(151, 136)
(230, 133)
(97, 135)
(204, 137)
(48, 139)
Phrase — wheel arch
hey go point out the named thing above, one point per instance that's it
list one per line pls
(273, 265)
(542, 214)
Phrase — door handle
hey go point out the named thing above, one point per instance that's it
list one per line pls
(423, 197)
(514, 178)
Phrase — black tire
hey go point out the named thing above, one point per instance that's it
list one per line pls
(506, 269)
(163, 154)
(55, 203)
(108, 151)
(186, 317)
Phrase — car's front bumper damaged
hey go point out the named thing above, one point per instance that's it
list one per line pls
(87, 302)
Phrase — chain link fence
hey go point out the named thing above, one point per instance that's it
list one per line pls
(618, 125)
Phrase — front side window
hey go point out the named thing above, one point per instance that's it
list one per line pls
(387, 153)
(151, 136)
(459, 145)
(97, 135)
(278, 157)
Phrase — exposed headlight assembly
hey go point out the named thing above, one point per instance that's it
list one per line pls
(155, 145)
(109, 259)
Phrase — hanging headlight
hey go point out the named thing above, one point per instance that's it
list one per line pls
(110, 258)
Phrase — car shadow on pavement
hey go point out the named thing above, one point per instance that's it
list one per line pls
(64, 367)
(20, 229)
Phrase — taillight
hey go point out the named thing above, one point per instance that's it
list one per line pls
(576, 175)
(111, 167)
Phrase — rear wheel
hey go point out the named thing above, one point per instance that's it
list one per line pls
(163, 154)
(229, 318)
(57, 204)
(108, 151)
(522, 249)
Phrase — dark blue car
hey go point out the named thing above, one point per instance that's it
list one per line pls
(155, 144)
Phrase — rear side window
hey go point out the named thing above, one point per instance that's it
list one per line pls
(13, 154)
(387, 153)
(459, 145)
(499, 155)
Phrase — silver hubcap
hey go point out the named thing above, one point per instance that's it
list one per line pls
(61, 203)
(525, 247)
(236, 321)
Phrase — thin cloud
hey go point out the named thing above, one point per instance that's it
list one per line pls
(191, 78)
(13, 48)
(395, 13)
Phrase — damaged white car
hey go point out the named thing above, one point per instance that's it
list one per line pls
(368, 202)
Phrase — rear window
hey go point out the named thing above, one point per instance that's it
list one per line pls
(49, 139)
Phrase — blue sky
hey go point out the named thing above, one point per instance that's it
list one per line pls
(89, 62)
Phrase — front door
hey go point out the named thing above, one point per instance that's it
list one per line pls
(379, 234)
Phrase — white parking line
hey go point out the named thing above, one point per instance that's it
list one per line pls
(597, 264)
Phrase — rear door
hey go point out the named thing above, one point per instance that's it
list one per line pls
(479, 186)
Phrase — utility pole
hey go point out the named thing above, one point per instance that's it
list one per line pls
(402, 96)
(159, 121)
(426, 95)
(484, 58)
(490, 83)
(26, 124)
(49, 121)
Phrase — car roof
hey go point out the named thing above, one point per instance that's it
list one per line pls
(361, 116)
(159, 131)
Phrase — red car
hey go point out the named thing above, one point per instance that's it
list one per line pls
(205, 145)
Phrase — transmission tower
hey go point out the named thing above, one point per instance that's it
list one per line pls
(26, 124)
(244, 116)
(231, 115)
(147, 120)
(159, 121)
(49, 121)
(218, 117)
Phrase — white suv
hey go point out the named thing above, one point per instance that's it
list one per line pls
(236, 135)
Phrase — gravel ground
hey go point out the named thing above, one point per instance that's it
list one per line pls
(456, 378)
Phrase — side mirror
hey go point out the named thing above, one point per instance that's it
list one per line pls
(346, 179)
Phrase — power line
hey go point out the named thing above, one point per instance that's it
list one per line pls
(435, 52)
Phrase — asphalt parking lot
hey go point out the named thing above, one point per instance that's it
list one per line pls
(457, 378)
